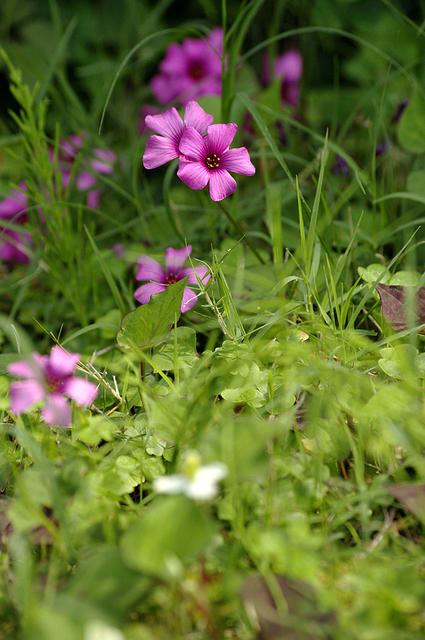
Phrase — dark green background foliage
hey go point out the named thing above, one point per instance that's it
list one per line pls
(288, 370)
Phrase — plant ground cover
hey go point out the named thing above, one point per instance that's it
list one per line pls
(237, 448)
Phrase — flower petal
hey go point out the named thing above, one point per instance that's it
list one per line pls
(24, 393)
(174, 62)
(93, 198)
(189, 300)
(196, 117)
(221, 184)
(192, 145)
(163, 89)
(289, 65)
(175, 258)
(61, 362)
(194, 174)
(80, 390)
(23, 369)
(56, 410)
(170, 484)
(220, 137)
(202, 273)
(150, 269)
(168, 124)
(85, 180)
(158, 151)
(237, 160)
(104, 161)
(144, 293)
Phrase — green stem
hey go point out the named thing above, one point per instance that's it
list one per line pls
(242, 231)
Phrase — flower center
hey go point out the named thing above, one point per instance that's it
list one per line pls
(172, 277)
(213, 161)
(54, 383)
(196, 70)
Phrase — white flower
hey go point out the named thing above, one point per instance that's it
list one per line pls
(97, 630)
(197, 482)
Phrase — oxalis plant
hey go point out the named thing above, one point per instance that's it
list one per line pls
(212, 314)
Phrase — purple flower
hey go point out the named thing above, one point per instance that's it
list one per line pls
(382, 147)
(399, 110)
(341, 166)
(13, 243)
(209, 159)
(118, 249)
(165, 147)
(190, 69)
(150, 269)
(48, 378)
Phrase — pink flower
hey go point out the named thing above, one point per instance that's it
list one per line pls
(289, 67)
(48, 378)
(170, 127)
(190, 69)
(13, 244)
(101, 161)
(150, 269)
(209, 159)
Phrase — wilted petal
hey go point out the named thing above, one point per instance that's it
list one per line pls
(237, 160)
(80, 390)
(25, 393)
(189, 300)
(194, 174)
(85, 180)
(170, 484)
(220, 137)
(158, 151)
(149, 269)
(175, 258)
(56, 410)
(202, 273)
(168, 124)
(61, 362)
(144, 293)
(221, 185)
(196, 117)
(192, 145)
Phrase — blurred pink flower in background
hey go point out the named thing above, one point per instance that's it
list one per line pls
(289, 67)
(100, 161)
(190, 69)
(49, 378)
(13, 244)
(208, 159)
(169, 125)
(149, 269)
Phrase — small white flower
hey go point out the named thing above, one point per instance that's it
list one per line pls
(197, 482)
(97, 630)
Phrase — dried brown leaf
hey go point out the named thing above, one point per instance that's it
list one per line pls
(393, 299)
(301, 621)
(412, 496)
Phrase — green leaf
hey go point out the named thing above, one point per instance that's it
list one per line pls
(149, 324)
(411, 128)
(171, 527)
(185, 346)
(416, 182)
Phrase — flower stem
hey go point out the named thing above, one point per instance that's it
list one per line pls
(241, 230)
